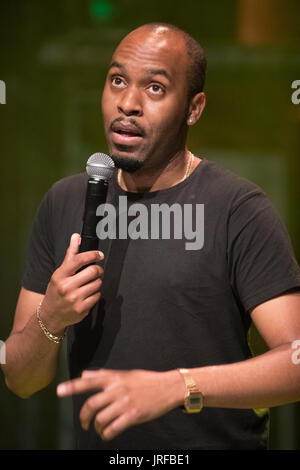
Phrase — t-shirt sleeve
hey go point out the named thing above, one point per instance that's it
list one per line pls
(262, 263)
(40, 255)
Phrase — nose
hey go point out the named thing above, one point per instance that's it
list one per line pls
(130, 102)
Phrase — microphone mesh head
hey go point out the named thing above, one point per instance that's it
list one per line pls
(100, 166)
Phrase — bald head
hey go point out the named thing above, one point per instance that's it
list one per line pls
(196, 60)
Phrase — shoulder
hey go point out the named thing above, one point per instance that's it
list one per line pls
(69, 188)
(226, 187)
(65, 195)
(73, 183)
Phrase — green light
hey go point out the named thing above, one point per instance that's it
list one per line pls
(101, 9)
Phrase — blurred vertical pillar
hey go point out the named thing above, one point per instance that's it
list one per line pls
(264, 23)
(294, 151)
(290, 422)
(261, 21)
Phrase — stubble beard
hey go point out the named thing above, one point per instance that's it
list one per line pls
(131, 165)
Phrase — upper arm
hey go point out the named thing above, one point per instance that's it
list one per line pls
(278, 319)
(27, 304)
(262, 263)
(39, 267)
(40, 259)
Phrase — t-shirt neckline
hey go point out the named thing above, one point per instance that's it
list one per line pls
(179, 185)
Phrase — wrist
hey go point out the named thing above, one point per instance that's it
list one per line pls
(176, 385)
(50, 321)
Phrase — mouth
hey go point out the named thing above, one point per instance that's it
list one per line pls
(126, 134)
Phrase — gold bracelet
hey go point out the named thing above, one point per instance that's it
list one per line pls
(53, 338)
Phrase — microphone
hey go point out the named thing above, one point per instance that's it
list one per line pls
(100, 168)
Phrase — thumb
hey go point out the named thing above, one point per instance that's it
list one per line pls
(73, 248)
(89, 373)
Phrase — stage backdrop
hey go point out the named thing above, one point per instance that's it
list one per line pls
(53, 59)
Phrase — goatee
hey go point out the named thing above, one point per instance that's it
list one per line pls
(127, 164)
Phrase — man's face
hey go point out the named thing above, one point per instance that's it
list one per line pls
(144, 102)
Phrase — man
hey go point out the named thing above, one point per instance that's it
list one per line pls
(155, 326)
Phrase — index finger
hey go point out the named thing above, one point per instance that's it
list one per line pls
(81, 260)
(75, 260)
(75, 386)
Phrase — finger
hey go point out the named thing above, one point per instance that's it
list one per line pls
(92, 406)
(73, 248)
(73, 262)
(103, 374)
(88, 274)
(86, 305)
(89, 373)
(86, 258)
(75, 386)
(89, 289)
(88, 296)
(105, 417)
(80, 286)
(117, 426)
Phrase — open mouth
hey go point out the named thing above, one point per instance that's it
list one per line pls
(124, 135)
(128, 133)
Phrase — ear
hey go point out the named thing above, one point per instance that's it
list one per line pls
(196, 108)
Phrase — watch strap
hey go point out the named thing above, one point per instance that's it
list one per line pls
(193, 401)
(188, 379)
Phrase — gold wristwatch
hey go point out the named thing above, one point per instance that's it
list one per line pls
(193, 401)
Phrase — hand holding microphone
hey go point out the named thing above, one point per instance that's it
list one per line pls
(74, 287)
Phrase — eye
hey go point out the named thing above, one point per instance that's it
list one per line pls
(156, 89)
(117, 82)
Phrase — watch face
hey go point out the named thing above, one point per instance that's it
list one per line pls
(194, 402)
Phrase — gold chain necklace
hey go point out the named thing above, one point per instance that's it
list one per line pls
(186, 175)
(191, 159)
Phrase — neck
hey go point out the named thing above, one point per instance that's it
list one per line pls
(173, 172)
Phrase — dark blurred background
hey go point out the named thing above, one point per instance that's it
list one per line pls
(53, 59)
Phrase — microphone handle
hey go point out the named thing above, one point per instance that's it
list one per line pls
(96, 194)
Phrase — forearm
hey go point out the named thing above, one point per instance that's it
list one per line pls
(31, 359)
(268, 380)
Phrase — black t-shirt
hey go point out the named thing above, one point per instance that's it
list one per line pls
(164, 306)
